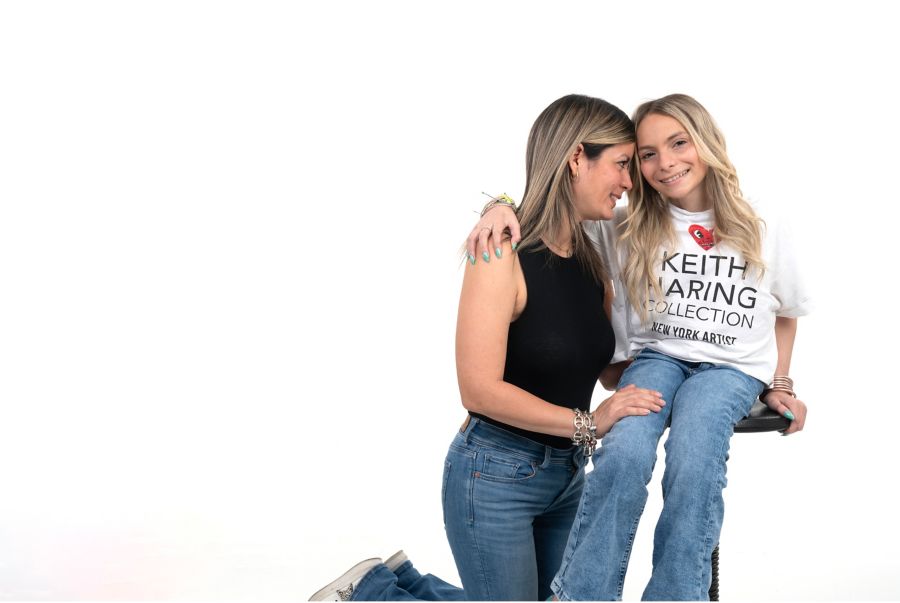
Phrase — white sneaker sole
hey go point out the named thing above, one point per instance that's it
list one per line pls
(350, 578)
(396, 560)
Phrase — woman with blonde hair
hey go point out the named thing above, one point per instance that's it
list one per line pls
(533, 336)
(710, 313)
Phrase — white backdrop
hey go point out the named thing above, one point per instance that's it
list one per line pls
(229, 273)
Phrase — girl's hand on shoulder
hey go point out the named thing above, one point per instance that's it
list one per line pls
(628, 401)
(490, 230)
(787, 406)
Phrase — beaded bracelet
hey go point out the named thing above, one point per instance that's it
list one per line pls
(503, 199)
(585, 431)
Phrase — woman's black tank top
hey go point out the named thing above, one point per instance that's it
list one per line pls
(561, 341)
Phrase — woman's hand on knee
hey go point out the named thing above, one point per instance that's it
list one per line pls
(628, 401)
(787, 406)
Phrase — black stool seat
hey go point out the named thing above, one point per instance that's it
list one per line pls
(761, 418)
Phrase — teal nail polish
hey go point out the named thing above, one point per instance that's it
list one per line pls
(486, 257)
(471, 258)
(514, 245)
(497, 252)
(789, 415)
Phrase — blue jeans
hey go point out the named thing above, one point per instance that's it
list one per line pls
(404, 584)
(703, 402)
(509, 503)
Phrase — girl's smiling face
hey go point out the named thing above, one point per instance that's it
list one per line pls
(670, 163)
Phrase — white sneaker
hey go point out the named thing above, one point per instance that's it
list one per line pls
(342, 588)
(396, 560)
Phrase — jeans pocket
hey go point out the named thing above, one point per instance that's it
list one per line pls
(506, 468)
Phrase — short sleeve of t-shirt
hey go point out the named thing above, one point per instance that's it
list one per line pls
(787, 285)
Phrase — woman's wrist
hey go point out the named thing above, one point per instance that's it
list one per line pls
(601, 422)
(585, 434)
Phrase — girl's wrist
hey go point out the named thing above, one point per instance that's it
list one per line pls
(779, 383)
(503, 200)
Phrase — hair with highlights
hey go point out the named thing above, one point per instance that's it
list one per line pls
(648, 225)
(548, 201)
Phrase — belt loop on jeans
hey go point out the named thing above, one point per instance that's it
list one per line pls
(547, 454)
(464, 429)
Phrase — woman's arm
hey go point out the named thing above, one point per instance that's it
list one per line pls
(780, 401)
(493, 294)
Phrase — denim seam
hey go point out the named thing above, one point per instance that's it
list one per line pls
(559, 591)
(572, 545)
(570, 548)
(623, 566)
(484, 581)
(473, 533)
(470, 493)
(448, 466)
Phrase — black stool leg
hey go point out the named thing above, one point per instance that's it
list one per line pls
(714, 585)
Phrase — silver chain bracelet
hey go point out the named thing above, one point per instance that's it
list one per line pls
(585, 431)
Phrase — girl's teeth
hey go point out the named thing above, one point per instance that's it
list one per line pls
(674, 178)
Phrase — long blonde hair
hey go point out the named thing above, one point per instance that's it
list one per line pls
(648, 225)
(547, 203)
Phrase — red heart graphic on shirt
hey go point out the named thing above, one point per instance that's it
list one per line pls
(704, 238)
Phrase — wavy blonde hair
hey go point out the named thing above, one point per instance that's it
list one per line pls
(648, 225)
(547, 203)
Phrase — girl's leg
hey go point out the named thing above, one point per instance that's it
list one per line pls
(704, 412)
(599, 546)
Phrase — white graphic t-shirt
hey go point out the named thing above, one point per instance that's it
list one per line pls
(714, 308)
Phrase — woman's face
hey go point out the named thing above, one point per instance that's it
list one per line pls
(669, 161)
(600, 182)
